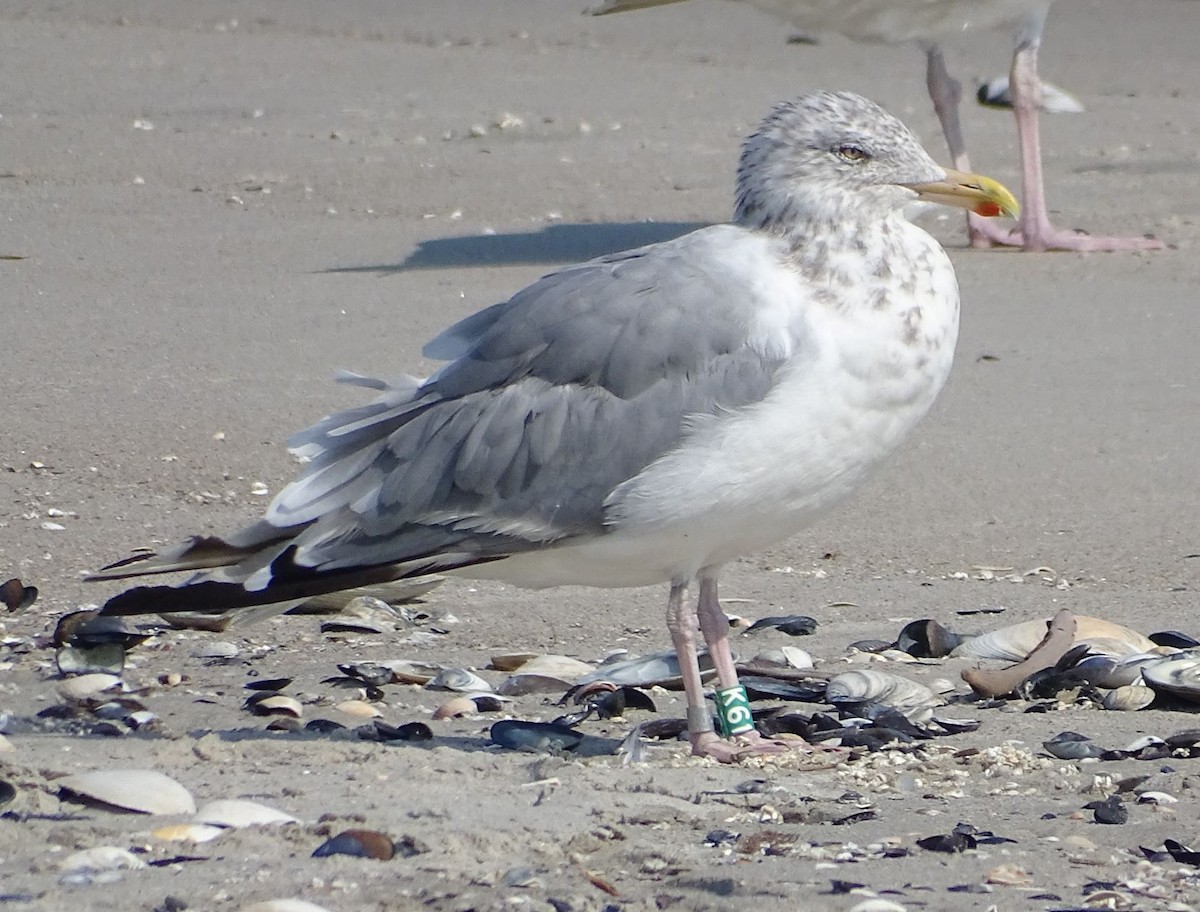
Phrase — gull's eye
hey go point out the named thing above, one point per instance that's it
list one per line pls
(851, 153)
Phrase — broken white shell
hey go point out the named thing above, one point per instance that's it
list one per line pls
(236, 812)
(88, 686)
(187, 832)
(217, 649)
(1156, 798)
(141, 790)
(557, 666)
(284, 905)
(101, 858)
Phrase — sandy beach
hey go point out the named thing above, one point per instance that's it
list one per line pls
(209, 208)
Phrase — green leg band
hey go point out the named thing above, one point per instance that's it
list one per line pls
(733, 711)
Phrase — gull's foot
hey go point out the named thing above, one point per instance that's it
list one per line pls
(985, 234)
(751, 744)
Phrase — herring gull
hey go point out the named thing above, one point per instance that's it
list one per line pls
(641, 418)
(927, 23)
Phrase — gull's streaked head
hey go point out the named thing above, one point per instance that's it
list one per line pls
(838, 157)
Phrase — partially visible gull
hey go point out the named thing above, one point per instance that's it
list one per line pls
(927, 23)
(642, 418)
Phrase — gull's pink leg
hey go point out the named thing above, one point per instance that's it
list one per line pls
(714, 625)
(1035, 232)
(681, 622)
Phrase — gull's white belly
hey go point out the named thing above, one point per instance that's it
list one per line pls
(742, 482)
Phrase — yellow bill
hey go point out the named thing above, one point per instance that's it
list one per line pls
(980, 194)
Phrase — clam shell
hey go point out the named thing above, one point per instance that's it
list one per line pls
(661, 669)
(557, 666)
(235, 813)
(89, 686)
(520, 684)
(459, 706)
(869, 685)
(784, 657)
(359, 708)
(1128, 698)
(276, 705)
(459, 679)
(1178, 676)
(140, 790)
(359, 843)
(102, 858)
(1015, 642)
(511, 661)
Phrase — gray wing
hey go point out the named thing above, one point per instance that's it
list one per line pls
(551, 400)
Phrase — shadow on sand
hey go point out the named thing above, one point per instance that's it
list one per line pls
(555, 244)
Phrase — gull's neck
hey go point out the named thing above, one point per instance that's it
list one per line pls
(836, 238)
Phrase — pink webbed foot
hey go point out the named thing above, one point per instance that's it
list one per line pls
(986, 233)
(732, 750)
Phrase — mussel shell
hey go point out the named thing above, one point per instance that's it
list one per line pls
(7, 792)
(459, 679)
(268, 684)
(791, 624)
(664, 729)
(1114, 671)
(927, 639)
(535, 737)
(1175, 639)
(1073, 746)
(761, 687)
(324, 726)
(16, 596)
(359, 843)
(409, 731)
(1178, 676)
